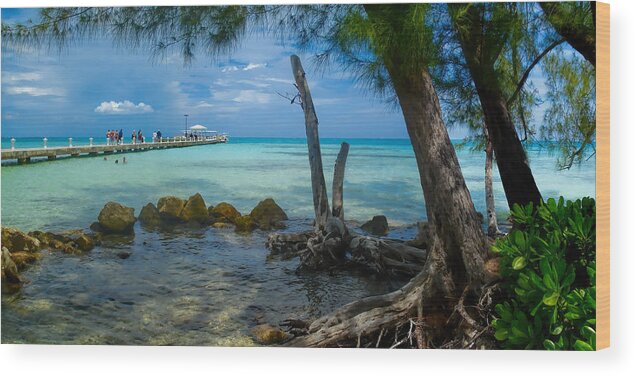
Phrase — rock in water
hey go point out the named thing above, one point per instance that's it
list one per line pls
(268, 215)
(84, 243)
(9, 269)
(244, 223)
(23, 259)
(16, 241)
(116, 218)
(195, 210)
(224, 212)
(376, 226)
(150, 215)
(170, 208)
(268, 335)
(123, 255)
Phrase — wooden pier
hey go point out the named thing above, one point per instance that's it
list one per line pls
(25, 155)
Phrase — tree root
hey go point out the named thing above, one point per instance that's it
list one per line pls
(420, 314)
(325, 249)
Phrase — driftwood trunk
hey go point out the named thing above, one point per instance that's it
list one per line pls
(331, 242)
(320, 197)
(338, 182)
(492, 222)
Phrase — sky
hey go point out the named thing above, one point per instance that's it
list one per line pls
(92, 87)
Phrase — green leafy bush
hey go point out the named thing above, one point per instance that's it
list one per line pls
(548, 264)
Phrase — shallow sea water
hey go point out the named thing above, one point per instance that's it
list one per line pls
(208, 286)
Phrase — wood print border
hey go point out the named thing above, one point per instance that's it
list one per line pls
(603, 176)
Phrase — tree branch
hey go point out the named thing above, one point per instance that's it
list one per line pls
(525, 76)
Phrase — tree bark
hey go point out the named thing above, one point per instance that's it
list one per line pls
(513, 166)
(492, 222)
(318, 186)
(579, 36)
(338, 182)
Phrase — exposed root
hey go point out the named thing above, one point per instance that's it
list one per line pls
(386, 256)
(326, 249)
(429, 311)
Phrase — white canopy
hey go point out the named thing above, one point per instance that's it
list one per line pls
(198, 127)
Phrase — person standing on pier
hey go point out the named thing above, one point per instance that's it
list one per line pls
(121, 135)
(134, 134)
(159, 137)
(108, 137)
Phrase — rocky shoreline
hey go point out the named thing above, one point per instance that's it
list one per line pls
(20, 249)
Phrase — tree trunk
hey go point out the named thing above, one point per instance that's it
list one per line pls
(492, 222)
(579, 36)
(513, 166)
(452, 217)
(318, 186)
(338, 182)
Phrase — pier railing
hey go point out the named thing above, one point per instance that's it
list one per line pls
(24, 155)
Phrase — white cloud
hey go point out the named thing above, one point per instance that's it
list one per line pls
(34, 91)
(280, 80)
(230, 68)
(248, 67)
(121, 108)
(243, 96)
(27, 76)
(251, 66)
(252, 96)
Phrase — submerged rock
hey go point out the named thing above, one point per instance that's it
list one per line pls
(244, 223)
(9, 269)
(116, 218)
(195, 210)
(268, 215)
(16, 241)
(149, 215)
(23, 259)
(376, 226)
(85, 243)
(224, 212)
(221, 225)
(170, 208)
(269, 335)
(123, 254)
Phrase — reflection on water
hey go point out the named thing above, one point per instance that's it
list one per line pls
(185, 287)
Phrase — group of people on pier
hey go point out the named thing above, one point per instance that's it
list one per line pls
(115, 137)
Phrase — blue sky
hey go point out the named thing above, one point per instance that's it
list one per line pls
(94, 86)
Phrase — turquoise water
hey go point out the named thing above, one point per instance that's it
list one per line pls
(208, 286)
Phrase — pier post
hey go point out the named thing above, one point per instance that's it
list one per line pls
(52, 157)
(90, 141)
(13, 144)
(45, 141)
(70, 142)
